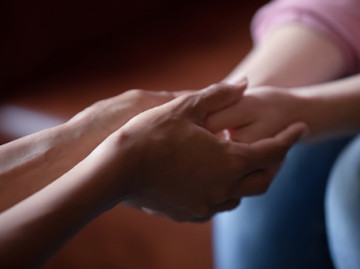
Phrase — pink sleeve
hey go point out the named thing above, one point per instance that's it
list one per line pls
(337, 19)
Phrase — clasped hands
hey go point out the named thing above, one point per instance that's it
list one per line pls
(168, 159)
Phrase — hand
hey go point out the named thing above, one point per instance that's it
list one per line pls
(262, 112)
(176, 167)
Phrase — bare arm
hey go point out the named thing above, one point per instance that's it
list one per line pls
(289, 56)
(331, 108)
(30, 163)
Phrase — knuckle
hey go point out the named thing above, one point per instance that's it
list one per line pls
(99, 104)
(138, 97)
(136, 93)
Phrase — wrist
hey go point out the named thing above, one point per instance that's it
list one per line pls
(115, 164)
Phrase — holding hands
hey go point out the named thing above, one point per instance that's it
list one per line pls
(163, 159)
(261, 112)
(185, 172)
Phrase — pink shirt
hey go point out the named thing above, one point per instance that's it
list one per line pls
(337, 19)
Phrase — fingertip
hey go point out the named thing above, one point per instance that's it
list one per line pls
(299, 129)
(239, 86)
(215, 98)
(239, 80)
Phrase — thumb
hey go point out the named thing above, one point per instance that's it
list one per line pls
(214, 98)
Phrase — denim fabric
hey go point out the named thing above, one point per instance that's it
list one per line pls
(284, 228)
(343, 209)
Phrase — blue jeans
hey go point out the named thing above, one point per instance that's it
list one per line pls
(284, 228)
(342, 207)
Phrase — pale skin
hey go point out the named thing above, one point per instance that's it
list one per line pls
(30, 163)
(152, 171)
(299, 61)
(291, 55)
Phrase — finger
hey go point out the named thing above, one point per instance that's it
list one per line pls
(252, 132)
(247, 134)
(212, 99)
(254, 183)
(236, 79)
(234, 116)
(272, 150)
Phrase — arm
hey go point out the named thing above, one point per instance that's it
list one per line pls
(332, 108)
(163, 171)
(310, 42)
(291, 55)
(300, 43)
(30, 163)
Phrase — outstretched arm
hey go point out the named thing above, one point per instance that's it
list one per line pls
(30, 163)
(162, 159)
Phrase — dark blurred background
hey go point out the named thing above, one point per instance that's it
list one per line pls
(58, 57)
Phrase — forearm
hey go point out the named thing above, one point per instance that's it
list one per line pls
(291, 55)
(30, 163)
(32, 230)
(331, 108)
